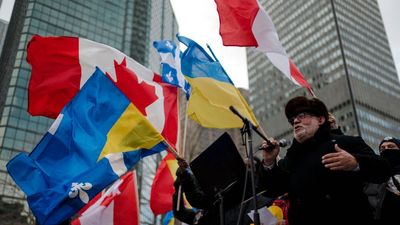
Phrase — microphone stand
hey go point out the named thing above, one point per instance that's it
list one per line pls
(221, 208)
(247, 130)
(220, 200)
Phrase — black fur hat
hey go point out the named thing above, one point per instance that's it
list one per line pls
(301, 104)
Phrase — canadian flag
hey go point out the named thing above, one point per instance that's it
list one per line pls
(246, 23)
(119, 205)
(62, 65)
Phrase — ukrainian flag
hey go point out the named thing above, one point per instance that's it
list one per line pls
(213, 92)
(169, 219)
(98, 137)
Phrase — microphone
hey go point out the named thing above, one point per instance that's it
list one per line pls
(281, 143)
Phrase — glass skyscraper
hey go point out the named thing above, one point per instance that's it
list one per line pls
(358, 82)
(127, 25)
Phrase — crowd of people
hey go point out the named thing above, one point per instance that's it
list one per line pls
(327, 177)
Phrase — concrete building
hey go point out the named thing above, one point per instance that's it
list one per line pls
(3, 28)
(127, 25)
(342, 49)
(3, 31)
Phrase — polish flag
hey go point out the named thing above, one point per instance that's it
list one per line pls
(62, 65)
(246, 23)
(119, 205)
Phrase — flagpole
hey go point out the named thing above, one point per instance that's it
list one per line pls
(345, 68)
(216, 59)
(182, 153)
(185, 131)
(171, 149)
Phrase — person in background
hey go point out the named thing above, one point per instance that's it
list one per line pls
(186, 183)
(389, 149)
(207, 206)
(323, 173)
(335, 128)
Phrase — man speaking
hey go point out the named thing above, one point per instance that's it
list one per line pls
(322, 173)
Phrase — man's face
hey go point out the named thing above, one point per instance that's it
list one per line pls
(388, 145)
(305, 125)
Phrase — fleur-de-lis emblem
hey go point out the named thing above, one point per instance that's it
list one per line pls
(169, 45)
(169, 76)
(80, 188)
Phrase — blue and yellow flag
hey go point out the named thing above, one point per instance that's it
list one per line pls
(213, 92)
(98, 136)
(168, 218)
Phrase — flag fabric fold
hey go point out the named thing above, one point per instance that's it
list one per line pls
(97, 137)
(246, 23)
(62, 65)
(171, 65)
(118, 205)
(162, 188)
(212, 91)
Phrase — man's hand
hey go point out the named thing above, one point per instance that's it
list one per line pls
(340, 160)
(269, 156)
(181, 172)
(182, 163)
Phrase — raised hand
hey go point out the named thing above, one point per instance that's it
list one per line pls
(340, 160)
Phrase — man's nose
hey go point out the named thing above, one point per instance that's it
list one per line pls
(296, 120)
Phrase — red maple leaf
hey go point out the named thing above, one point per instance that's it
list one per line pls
(141, 95)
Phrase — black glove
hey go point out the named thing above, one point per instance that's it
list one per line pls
(182, 173)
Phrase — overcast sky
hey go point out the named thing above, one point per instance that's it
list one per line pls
(198, 20)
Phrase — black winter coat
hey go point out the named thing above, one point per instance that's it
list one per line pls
(318, 195)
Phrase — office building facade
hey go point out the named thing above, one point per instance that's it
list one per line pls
(127, 25)
(3, 28)
(342, 49)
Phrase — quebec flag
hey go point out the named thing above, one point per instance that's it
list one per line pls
(98, 136)
(171, 64)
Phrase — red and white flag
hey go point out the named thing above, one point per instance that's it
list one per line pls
(62, 65)
(119, 205)
(246, 23)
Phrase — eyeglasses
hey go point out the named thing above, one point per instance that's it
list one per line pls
(299, 116)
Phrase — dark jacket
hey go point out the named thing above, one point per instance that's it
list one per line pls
(318, 195)
(209, 204)
(391, 201)
(196, 198)
(376, 193)
(337, 131)
(181, 212)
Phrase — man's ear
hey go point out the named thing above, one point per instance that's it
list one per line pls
(321, 120)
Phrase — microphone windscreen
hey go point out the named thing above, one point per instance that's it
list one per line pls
(283, 143)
